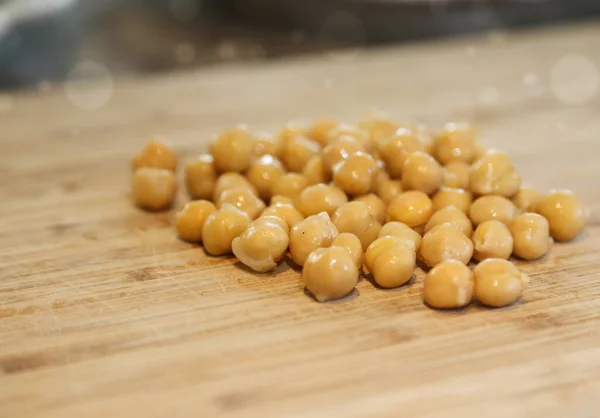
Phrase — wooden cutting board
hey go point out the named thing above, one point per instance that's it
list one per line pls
(103, 312)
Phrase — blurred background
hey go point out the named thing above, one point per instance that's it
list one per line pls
(44, 41)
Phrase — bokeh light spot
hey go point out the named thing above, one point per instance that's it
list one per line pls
(89, 86)
(574, 79)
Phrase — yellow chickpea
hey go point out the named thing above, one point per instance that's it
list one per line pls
(330, 273)
(450, 214)
(498, 282)
(243, 199)
(155, 155)
(456, 174)
(355, 218)
(290, 130)
(319, 131)
(200, 177)
(376, 206)
(391, 261)
(266, 144)
(487, 208)
(352, 244)
(494, 174)
(456, 142)
(344, 130)
(397, 148)
(354, 175)
(263, 173)
(564, 213)
(531, 234)
(492, 239)
(189, 221)
(314, 232)
(448, 196)
(526, 199)
(263, 244)
(285, 211)
(449, 285)
(413, 208)
(422, 172)
(316, 172)
(400, 230)
(380, 127)
(445, 242)
(321, 198)
(339, 149)
(290, 185)
(480, 150)
(228, 181)
(153, 188)
(387, 190)
(297, 151)
(233, 150)
(221, 227)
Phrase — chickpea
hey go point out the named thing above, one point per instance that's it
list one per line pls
(456, 174)
(233, 149)
(321, 198)
(330, 273)
(221, 227)
(316, 172)
(422, 172)
(263, 173)
(564, 212)
(345, 131)
(228, 181)
(153, 188)
(383, 244)
(413, 208)
(297, 151)
(387, 190)
(448, 285)
(380, 127)
(531, 234)
(449, 196)
(480, 150)
(189, 221)
(290, 185)
(527, 198)
(243, 199)
(155, 155)
(200, 177)
(487, 208)
(494, 174)
(400, 230)
(339, 150)
(395, 265)
(492, 239)
(263, 244)
(450, 214)
(355, 218)
(266, 144)
(445, 242)
(352, 244)
(498, 282)
(354, 175)
(376, 206)
(319, 131)
(285, 211)
(397, 148)
(456, 142)
(314, 232)
(290, 130)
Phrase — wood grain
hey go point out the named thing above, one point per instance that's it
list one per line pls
(103, 312)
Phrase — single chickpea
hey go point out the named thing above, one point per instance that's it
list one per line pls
(290, 185)
(263, 173)
(456, 174)
(492, 239)
(480, 150)
(228, 181)
(316, 172)
(400, 230)
(487, 208)
(263, 244)
(155, 155)
(297, 151)
(344, 131)
(284, 210)
(450, 214)
(456, 142)
(391, 261)
(498, 282)
(387, 190)
(526, 199)
(321, 198)
(221, 227)
(243, 199)
(233, 150)
(200, 177)
(376, 206)
(330, 273)
(354, 175)
(153, 188)
(338, 150)
(445, 242)
(290, 130)
(449, 196)
(266, 144)
(564, 212)
(189, 221)
(380, 127)
(352, 244)
(314, 232)
(413, 208)
(319, 131)
(494, 174)
(531, 234)
(422, 172)
(397, 148)
(355, 218)
(448, 285)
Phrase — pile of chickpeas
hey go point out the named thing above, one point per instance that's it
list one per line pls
(375, 199)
